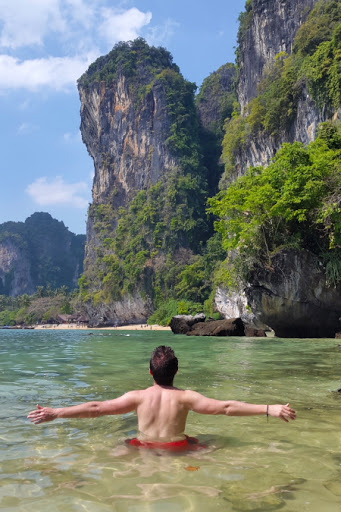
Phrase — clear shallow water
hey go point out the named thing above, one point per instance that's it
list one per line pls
(75, 465)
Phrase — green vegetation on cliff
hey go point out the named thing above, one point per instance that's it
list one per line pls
(315, 64)
(293, 203)
(217, 97)
(136, 60)
(158, 246)
(44, 306)
(145, 246)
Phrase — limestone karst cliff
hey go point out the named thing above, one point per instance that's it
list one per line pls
(277, 41)
(141, 128)
(267, 28)
(38, 252)
(289, 83)
(157, 161)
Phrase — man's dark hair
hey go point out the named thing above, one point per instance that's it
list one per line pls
(164, 365)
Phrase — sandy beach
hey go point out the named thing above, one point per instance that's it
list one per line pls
(133, 327)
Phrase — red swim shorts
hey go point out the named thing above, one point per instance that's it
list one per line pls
(188, 444)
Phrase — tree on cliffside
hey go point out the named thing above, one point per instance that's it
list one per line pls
(295, 203)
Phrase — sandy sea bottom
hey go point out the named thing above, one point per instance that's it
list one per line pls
(250, 465)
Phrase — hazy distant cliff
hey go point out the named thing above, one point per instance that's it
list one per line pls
(38, 252)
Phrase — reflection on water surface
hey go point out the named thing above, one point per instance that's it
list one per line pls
(251, 465)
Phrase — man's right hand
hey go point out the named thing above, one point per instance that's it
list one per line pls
(42, 414)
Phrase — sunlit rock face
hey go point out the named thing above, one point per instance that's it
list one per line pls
(126, 139)
(271, 29)
(127, 126)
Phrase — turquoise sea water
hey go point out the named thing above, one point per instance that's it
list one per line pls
(252, 464)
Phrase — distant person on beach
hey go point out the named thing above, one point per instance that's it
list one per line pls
(162, 409)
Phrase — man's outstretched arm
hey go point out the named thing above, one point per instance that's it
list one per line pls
(203, 405)
(122, 405)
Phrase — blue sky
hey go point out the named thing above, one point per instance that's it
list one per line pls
(45, 46)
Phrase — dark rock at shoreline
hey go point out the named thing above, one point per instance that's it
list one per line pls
(181, 324)
(293, 296)
(198, 325)
(230, 327)
(252, 332)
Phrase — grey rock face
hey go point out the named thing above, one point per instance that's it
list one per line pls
(272, 29)
(234, 304)
(211, 104)
(181, 324)
(132, 309)
(127, 141)
(294, 299)
(262, 147)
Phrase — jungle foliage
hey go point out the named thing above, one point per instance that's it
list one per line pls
(44, 306)
(295, 202)
(136, 60)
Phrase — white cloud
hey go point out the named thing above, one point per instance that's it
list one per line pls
(161, 34)
(28, 22)
(81, 12)
(27, 128)
(70, 138)
(66, 36)
(58, 192)
(25, 105)
(121, 25)
(56, 72)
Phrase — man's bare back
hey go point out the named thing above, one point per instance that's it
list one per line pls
(162, 409)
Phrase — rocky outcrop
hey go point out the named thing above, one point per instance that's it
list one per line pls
(38, 252)
(215, 99)
(198, 326)
(126, 139)
(269, 28)
(293, 297)
(140, 125)
(181, 324)
(231, 327)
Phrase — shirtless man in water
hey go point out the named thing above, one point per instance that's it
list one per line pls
(162, 409)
